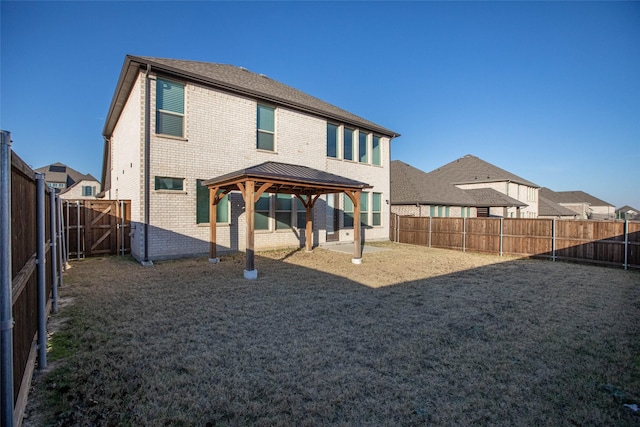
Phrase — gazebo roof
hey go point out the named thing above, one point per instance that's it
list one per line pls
(288, 178)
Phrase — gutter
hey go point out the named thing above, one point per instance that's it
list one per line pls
(147, 166)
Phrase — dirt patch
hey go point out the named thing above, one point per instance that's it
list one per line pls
(412, 336)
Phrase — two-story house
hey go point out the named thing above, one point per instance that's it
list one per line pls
(68, 182)
(174, 125)
(465, 187)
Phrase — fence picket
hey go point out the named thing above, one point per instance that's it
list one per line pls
(613, 242)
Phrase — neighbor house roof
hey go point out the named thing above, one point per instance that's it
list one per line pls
(471, 169)
(573, 197)
(233, 79)
(411, 186)
(548, 207)
(288, 178)
(627, 208)
(59, 172)
(488, 197)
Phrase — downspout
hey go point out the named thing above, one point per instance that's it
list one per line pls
(6, 304)
(147, 166)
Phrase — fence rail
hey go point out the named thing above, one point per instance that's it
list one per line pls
(615, 243)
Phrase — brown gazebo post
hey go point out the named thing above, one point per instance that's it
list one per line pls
(357, 252)
(250, 271)
(213, 204)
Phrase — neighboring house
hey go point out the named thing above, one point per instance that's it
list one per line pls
(550, 209)
(175, 124)
(629, 213)
(583, 204)
(466, 187)
(70, 183)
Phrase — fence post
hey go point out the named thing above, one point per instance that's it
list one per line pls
(42, 281)
(53, 248)
(78, 230)
(430, 231)
(501, 232)
(122, 227)
(626, 243)
(6, 309)
(553, 240)
(464, 233)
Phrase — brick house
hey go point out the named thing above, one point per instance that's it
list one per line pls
(175, 124)
(466, 187)
(68, 182)
(584, 205)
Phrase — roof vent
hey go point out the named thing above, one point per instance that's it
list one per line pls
(243, 69)
(262, 75)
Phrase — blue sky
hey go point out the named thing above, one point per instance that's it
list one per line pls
(548, 91)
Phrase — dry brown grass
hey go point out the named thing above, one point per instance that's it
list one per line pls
(413, 336)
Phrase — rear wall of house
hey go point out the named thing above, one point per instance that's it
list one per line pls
(220, 137)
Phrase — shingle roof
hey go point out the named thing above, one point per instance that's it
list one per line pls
(471, 169)
(59, 172)
(410, 186)
(488, 197)
(578, 197)
(548, 207)
(291, 175)
(233, 79)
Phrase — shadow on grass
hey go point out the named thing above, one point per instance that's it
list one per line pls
(446, 338)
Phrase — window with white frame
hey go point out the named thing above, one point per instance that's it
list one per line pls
(261, 216)
(376, 157)
(169, 183)
(169, 108)
(347, 211)
(332, 140)
(531, 194)
(363, 147)
(266, 128)
(376, 209)
(88, 191)
(364, 208)
(301, 214)
(283, 211)
(347, 143)
(203, 206)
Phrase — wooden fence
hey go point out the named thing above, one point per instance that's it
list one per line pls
(97, 227)
(24, 274)
(615, 243)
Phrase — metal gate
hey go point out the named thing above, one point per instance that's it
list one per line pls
(97, 227)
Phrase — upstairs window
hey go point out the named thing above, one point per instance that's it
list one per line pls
(266, 128)
(169, 108)
(88, 190)
(376, 158)
(348, 144)
(363, 145)
(332, 140)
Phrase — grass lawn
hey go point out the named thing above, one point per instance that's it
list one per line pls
(413, 336)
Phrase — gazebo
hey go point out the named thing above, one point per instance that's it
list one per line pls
(305, 183)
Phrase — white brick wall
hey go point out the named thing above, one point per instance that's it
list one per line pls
(75, 192)
(425, 211)
(220, 137)
(127, 154)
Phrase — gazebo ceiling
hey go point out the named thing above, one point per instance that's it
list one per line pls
(287, 178)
